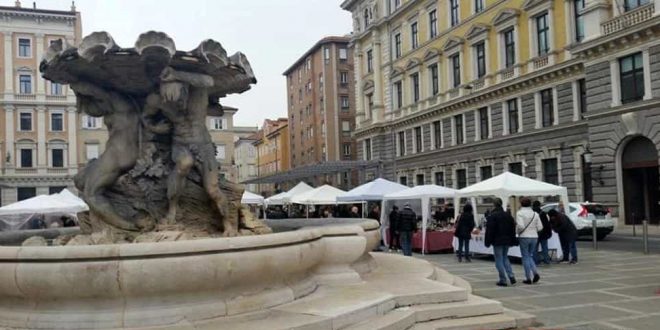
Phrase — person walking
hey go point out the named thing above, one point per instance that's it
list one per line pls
(501, 234)
(393, 230)
(528, 224)
(567, 232)
(463, 231)
(544, 236)
(407, 225)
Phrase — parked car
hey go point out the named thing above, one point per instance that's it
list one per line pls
(583, 213)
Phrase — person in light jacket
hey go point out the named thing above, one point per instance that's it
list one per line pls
(528, 224)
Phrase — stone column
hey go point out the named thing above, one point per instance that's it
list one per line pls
(378, 76)
(9, 66)
(359, 97)
(72, 118)
(42, 158)
(39, 46)
(9, 136)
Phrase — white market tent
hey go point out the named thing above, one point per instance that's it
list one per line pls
(323, 195)
(423, 193)
(371, 191)
(509, 184)
(251, 198)
(285, 197)
(62, 202)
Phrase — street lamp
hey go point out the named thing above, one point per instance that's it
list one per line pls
(588, 159)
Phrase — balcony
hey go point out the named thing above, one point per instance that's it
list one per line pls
(26, 170)
(454, 93)
(58, 171)
(56, 97)
(540, 62)
(479, 84)
(507, 74)
(25, 97)
(631, 18)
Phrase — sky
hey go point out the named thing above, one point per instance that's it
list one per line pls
(273, 34)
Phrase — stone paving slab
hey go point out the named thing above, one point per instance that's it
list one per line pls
(556, 317)
(508, 292)
(594, 326)
(645, 306)
(571, 287)
(638, 291)
(570, 299)
(646, 322)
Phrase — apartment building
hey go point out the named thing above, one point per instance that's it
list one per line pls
(272, 143)
(39, 140)
(453, 92)
(245, 160)
(224, 134)
(321, 106)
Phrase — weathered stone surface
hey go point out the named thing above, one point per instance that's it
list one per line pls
(35, 241)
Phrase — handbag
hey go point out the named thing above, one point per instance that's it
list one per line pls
(516, 241)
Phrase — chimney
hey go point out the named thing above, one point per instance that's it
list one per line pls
(34, 5)
(17, 4)
(73, 6)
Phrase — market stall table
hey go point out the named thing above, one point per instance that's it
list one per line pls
(436, 241)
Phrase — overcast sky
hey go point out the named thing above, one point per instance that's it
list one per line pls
(272, 33)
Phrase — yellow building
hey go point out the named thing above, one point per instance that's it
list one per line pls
(272, 142)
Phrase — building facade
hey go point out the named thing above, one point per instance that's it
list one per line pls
(321, 106)
(272, 143)
(224, 135)
(39, 140)
(245, 159)
(453, 92)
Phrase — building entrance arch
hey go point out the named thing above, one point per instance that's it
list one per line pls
(641, 181)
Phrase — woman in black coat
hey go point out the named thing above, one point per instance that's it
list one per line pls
(463, 231)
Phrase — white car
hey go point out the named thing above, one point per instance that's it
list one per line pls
(583, 214)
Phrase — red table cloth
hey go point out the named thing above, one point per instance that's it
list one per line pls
(435, 241)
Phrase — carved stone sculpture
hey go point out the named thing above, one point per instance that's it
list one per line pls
(158, 171)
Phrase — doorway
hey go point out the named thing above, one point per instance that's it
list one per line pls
(641, 181)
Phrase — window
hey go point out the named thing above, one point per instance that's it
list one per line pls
(516, 168)
(419, 179)
(435, 87)
(56, 122)
(55, 189)
(91, 122)
(326, 56)
(366, 18)
(437, 134)
(217, 123)
(347, 149)
(343, 54)
(509, 48)
(480, 54)
(55, 89)
(24, 47)
(345, 126)
(220, 152)
(453, 10)
(414, 80)
(550, 173)
(91, 151)
(483, 123)
(397, 45)
(403, 180)
(512, 111)
(344, 102)
(578, 6)
(461, 179)
(413, 35)
(26, 193)
(399, 95)
(542, 34)
(547, 111)
(370, 61)
(397, 4)
(433, 23)
(25, 121)
(25, 84)
(456, 70)
(440, 178)
(26, 157)
(402, 143)
(57, 157)
(367, 149)
(478, 6)
(418, 140)
(632, 78)
(458, 129)
(343, 78)
(629, 5)
(582, 93)
(486, 172)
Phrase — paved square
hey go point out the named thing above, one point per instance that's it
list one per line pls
(607, 289)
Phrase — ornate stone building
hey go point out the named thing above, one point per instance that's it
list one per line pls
(452, 92)
(39, 140)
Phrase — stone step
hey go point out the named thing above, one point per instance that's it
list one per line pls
(405, 317)
(490, 322)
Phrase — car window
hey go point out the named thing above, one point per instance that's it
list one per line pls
(572, 209)
(596, 209)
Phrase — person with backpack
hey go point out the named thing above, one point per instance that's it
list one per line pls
(501, 234)
(407, 224)
(544, 235)
(528, 224)
(463, 231)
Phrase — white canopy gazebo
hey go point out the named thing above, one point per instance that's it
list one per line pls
(285, 197)
(423, 193)
(323, 195)
(371, 191)
(251, 198)
(15, 215)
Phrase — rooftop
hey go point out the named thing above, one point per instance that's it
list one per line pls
(324, 41)
(35, 10)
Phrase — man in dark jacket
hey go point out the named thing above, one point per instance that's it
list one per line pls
(544, 236)
(463, 231)
(407, 225)
(501, 234)
(567, 232)
(393, 232)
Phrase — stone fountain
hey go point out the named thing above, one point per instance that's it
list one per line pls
(167, 243)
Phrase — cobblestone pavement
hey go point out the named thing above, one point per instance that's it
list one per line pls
(605, 290)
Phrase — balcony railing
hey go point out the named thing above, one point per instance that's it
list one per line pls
(540, 62)
(26, 97)
(58, 170)
(454, 93)
(26, 170)
(56, 97)
(631, 18)
(479, 84)
(508, 73)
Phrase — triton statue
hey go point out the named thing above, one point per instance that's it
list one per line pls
(158, 171)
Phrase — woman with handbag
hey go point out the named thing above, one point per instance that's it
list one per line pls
(463, 231)
(528, 224)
